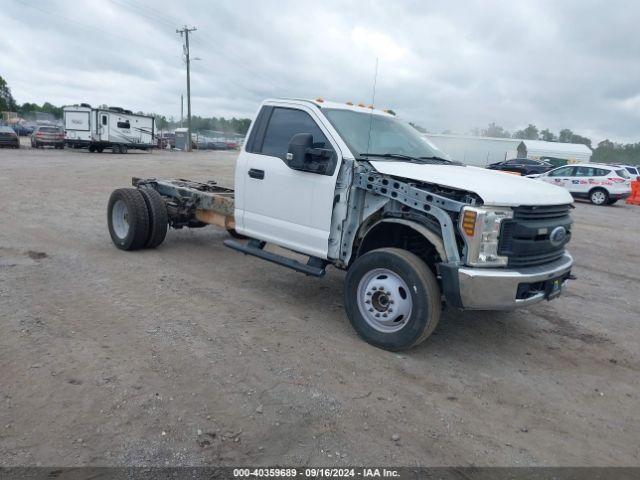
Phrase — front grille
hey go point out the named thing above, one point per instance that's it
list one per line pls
(525, 241)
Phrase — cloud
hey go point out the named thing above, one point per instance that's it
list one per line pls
(443, 65)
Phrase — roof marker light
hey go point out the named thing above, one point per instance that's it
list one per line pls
(319, 100)
(361, 105)
(350, 103)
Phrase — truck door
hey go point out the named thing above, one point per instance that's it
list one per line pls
(103, 126)
(278, 204)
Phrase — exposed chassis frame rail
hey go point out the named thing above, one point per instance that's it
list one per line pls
(205, 202)
(419, 199)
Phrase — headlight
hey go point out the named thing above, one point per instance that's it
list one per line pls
(480, 228)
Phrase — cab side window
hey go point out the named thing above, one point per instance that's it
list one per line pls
(284, 124)
(562, 172)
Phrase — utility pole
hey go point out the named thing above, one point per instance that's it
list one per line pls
(185, 31)
(181, 109)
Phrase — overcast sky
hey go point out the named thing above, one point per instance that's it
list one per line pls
(443, 64)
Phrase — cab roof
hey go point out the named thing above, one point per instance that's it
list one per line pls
(321, 103)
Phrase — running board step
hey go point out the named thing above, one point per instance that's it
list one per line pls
(315, 266)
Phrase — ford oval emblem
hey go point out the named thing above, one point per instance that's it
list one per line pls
(557, 236)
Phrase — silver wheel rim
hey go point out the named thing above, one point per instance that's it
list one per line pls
(598, 197)
(120, 219)
(384, 300)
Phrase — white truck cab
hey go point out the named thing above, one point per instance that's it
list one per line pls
(361, 190)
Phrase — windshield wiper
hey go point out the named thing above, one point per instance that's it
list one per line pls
(397, 156)
(408, 158)
(440, 159)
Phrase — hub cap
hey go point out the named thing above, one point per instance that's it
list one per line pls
(120, 219)
(384, 300)
(598, 197)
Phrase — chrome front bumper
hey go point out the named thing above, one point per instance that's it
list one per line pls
(497, 289)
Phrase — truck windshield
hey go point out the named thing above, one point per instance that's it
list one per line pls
(388, 135)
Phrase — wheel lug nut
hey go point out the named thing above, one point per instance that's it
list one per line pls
(371, 309)
(377, 314)
(384, 315)
(374, 288)
(390, 301)
(368, 294)
(388, 293)
(367, 301)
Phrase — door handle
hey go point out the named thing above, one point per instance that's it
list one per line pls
(256, 173)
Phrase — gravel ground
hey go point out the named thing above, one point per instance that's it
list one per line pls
(192, 354)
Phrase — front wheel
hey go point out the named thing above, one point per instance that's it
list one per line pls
(392, 299)
(599, 196)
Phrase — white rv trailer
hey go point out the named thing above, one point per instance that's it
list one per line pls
(111, 128)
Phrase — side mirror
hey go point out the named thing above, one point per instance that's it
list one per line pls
(298, 148)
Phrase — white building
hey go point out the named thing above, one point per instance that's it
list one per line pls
(482, 151)
(570, 152)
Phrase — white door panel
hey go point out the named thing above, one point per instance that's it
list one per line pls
(288, 207)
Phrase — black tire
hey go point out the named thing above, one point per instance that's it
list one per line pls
(424, 294)
(99, 149)
(92, 148)
(123, 149)
(115, 149)
(158, 217)
(599, 196)
(137, 219)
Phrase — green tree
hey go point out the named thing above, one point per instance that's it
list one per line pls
(496, 131)
(567, 136)
(610, 152)
(548, 136)
(529, 133)
(161, 122)
(7, 103)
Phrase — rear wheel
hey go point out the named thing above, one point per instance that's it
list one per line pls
(92, 148)
(123, 149)
(158, 217)
(115, 149)
(99, 149)
(392, 298)
(599, 196)
(128, 219)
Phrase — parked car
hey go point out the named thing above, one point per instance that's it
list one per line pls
(47, 135)
(634, 171)
(601, 184)
(23, 130)
(523, 166)
(9, 138)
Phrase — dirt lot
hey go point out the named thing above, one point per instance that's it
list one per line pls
(192, 354)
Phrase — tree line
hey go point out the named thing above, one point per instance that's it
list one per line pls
(606, 151)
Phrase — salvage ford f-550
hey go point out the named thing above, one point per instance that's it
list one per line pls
(359, 189)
